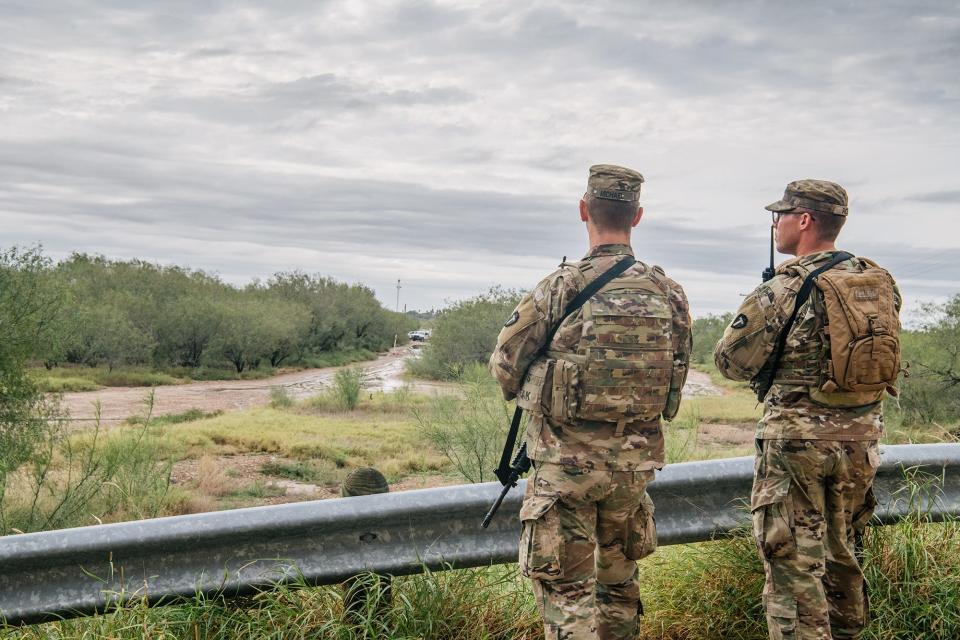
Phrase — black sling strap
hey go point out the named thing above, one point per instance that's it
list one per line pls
(503, 469)
(802, 296)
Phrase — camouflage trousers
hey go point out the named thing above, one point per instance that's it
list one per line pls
(811, 500)
(583, 532)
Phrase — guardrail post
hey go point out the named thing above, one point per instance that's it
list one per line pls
(358, 591)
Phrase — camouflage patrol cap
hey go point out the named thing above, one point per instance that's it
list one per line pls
(815, 195)
(610, 182)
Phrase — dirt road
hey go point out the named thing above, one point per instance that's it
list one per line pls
(383, 374)
(119, 403)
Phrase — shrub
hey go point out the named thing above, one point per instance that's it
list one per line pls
(321, 472)
(465, 334)
(280, 398)
(706, 332)
(347, 383)
(470, 430)
(74, 480)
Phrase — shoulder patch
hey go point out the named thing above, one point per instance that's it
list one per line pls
(513, 319)
(739, 322)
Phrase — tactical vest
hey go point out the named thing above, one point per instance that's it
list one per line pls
(851, 355)
(622, 367)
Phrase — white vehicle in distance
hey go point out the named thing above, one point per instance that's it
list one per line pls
(419, 335)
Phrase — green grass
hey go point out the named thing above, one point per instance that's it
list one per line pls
(717, 378)
(479, 604)
(190, 415)
(390, 442)
(79, 378)
(402, 401)
(257, 491)
(64, 379)
(299, 471)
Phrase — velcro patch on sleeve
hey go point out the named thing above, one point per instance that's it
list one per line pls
(740, 321)
(513, 319)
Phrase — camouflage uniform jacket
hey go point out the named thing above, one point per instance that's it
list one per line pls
(582, 443)
(746, 348)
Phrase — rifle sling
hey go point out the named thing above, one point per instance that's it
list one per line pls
(503, 469)
(802, 296)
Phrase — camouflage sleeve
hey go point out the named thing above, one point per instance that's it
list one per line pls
(751, 337)
(682, 347)
(682, 326)
(525, 332)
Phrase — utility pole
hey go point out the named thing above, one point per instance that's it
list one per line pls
(397, 309)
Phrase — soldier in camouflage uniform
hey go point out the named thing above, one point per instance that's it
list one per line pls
(817, 451)
(586, 515)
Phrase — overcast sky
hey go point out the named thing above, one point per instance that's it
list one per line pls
(447, 143)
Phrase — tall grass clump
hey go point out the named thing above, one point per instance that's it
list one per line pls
(280, 398)
(712, 590)
(681, 436)
(478, 604)
(469, 430)
(74, 480)
(913, 568)
(347, 383)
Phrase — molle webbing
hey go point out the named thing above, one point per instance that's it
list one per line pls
(625, 353)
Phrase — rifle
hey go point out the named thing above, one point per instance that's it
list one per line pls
(519, 466)
(508, 473)
(769, 272)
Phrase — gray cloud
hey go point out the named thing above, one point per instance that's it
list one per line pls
(938, 197)
(448, 145)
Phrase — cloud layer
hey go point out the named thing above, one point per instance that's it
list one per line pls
(446, 144)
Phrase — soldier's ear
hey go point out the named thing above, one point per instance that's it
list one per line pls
(584, 212)
(636, 218)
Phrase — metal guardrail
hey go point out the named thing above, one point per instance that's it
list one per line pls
(50, 575)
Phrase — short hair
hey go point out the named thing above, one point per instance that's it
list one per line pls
(611, 215)
(826, 226)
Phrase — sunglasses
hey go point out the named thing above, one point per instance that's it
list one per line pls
(776, 215)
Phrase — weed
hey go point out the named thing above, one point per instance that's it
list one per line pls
(280, 398)
(473, 604)
(190, 415)
(211, 478)
(346, 387)
(71, 480)
(299, 471)
(257, 490)
(681, 436)
(470, 430)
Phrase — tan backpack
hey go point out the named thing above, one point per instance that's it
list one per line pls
(863, 331)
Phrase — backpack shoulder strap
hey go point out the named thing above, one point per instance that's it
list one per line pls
(588, 292)
(802, 296)
(503, 469)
